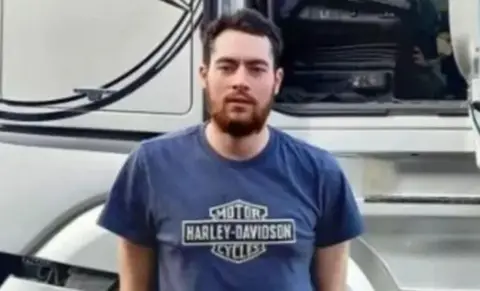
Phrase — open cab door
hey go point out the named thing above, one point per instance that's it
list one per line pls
(115, 65)
(374, 76)
(465, 27)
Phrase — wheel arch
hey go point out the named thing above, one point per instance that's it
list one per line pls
(367, 269)
(75, 239)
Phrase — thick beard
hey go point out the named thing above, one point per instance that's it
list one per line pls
(236, 128)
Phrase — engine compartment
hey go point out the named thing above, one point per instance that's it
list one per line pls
(356, 56)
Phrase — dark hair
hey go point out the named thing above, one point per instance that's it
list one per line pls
(245, 20)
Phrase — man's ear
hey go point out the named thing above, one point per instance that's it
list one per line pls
(203, 71)
(278, 79)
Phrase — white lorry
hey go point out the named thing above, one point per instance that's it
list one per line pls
(380, 83)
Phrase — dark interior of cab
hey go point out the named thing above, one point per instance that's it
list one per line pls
(366, 57)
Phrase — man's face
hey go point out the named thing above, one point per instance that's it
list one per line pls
(240, 82)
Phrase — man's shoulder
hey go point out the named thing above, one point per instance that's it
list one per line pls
(319, 157)
(176, 136)
(174, 140)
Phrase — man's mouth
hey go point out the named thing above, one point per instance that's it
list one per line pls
(240, 101)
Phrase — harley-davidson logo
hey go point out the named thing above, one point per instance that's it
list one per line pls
(238, 231)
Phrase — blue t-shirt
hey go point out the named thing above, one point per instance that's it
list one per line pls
(218, 224)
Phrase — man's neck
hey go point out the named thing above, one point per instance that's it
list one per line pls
(239, 149)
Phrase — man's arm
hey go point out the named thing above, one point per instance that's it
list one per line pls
(331, 267)
(127, 214)
(136, 266)
(340, 222)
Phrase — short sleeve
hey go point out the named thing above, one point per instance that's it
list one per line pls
(341, 219)
(126, 212)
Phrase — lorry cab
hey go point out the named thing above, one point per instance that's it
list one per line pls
(389, 86)
(361, 76)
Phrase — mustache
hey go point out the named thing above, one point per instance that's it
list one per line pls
(240, 98)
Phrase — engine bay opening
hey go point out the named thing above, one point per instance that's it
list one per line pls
(358, 56)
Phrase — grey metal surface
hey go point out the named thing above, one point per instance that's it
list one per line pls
(17, 284)
(88, 282)
(432, 253)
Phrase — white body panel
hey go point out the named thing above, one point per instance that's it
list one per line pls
(396, 134)
(69, 39)
(40, 187)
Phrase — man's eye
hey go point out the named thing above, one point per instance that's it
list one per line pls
(258, 70)
(225, 68)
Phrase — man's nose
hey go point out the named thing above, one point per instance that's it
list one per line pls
(240, 79)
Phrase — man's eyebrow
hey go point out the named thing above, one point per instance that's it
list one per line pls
(226, 60)
(257, 62)
(251, 62)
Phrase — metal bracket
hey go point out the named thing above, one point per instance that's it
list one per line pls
(94, 94)
(90, 282)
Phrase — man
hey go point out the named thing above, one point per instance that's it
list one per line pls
(233, 204)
